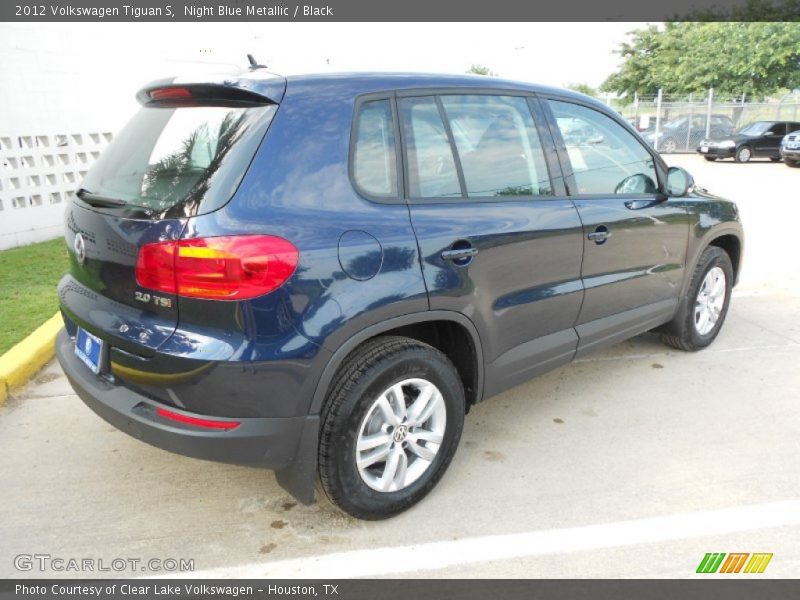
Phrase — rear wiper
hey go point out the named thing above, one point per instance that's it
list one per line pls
(97, 200)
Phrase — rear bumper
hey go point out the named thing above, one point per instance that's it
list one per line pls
(273, 443)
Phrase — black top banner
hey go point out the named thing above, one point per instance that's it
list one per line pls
(397, 10)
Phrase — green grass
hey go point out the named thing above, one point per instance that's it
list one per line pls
(28, 278)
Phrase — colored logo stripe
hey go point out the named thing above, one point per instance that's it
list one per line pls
(734, 562)
(710, 562)
(758, 563)
(713, 562)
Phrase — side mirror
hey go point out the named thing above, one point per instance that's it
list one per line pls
(679, 182)
(636, 184)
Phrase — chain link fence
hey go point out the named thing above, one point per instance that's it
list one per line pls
(674, 123)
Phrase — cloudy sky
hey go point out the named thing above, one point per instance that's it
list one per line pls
(40, 59)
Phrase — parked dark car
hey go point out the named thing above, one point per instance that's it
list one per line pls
(761, 139)
(636, 123)
(790, 149)
(685, 132)
(322, 274)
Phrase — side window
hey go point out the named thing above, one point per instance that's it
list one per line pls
(777, 129)
(605, 157)
(374, 162)
(431, 167)
(498, 146)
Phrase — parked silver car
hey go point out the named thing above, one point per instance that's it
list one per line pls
(790, 149)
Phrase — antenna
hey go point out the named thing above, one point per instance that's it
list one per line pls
(254, 63)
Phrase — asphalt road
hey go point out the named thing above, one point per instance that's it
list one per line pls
(632, 463)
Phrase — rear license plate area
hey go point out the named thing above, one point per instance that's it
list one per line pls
(89, 348)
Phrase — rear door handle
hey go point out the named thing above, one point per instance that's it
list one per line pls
(459, 254)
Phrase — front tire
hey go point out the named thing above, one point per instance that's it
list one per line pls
(773, 159)
(390, 427)
(743, 154)
(703, 310)
(792, 163)
(710, 158)
(669, 146)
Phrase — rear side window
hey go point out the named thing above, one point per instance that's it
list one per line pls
(431, 167)
(169, 160)
(374, 156)
(602, 152)
(498, 146)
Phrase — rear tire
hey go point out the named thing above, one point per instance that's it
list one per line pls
(692, 328)
(743, 154)
(362, 419)
(792, 163)
(775, 159)
(710, 158)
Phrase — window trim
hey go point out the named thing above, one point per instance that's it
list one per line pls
(398, 197)
(451, 139)
(556, 181)
(566, 163)
(407, 198)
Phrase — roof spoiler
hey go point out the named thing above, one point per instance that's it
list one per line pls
(252, 89)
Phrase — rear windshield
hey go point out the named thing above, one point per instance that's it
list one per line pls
(179, 161)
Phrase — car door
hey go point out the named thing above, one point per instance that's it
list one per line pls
(768, 145)
(499, 241)
(634, 237)
(721, 127)
(696, 132)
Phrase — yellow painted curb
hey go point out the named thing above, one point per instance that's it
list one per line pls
(20, 363)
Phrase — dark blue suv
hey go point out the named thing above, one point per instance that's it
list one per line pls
(321, 274)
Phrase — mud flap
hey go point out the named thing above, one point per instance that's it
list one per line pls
(300, 476)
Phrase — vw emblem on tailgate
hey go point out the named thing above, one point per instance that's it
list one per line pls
(79, 245)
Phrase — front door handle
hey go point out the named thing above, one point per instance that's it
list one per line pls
(599, 235)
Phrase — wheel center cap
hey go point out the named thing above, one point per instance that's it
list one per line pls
(400, 433)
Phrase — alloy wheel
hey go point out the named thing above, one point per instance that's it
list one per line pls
(400, 435)
(710, 300)
(744, 154)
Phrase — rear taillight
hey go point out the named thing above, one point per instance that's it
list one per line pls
(170, 93)
(217, 268)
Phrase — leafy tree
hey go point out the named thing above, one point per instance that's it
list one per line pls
(750, 10)
(481, 70)
(583, 88)
(757, 59)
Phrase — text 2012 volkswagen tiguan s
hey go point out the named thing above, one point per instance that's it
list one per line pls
(321, 274)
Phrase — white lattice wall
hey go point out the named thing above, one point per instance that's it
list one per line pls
(37, 175)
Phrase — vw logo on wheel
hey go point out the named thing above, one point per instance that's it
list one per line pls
(400, 433)
(79, 245)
